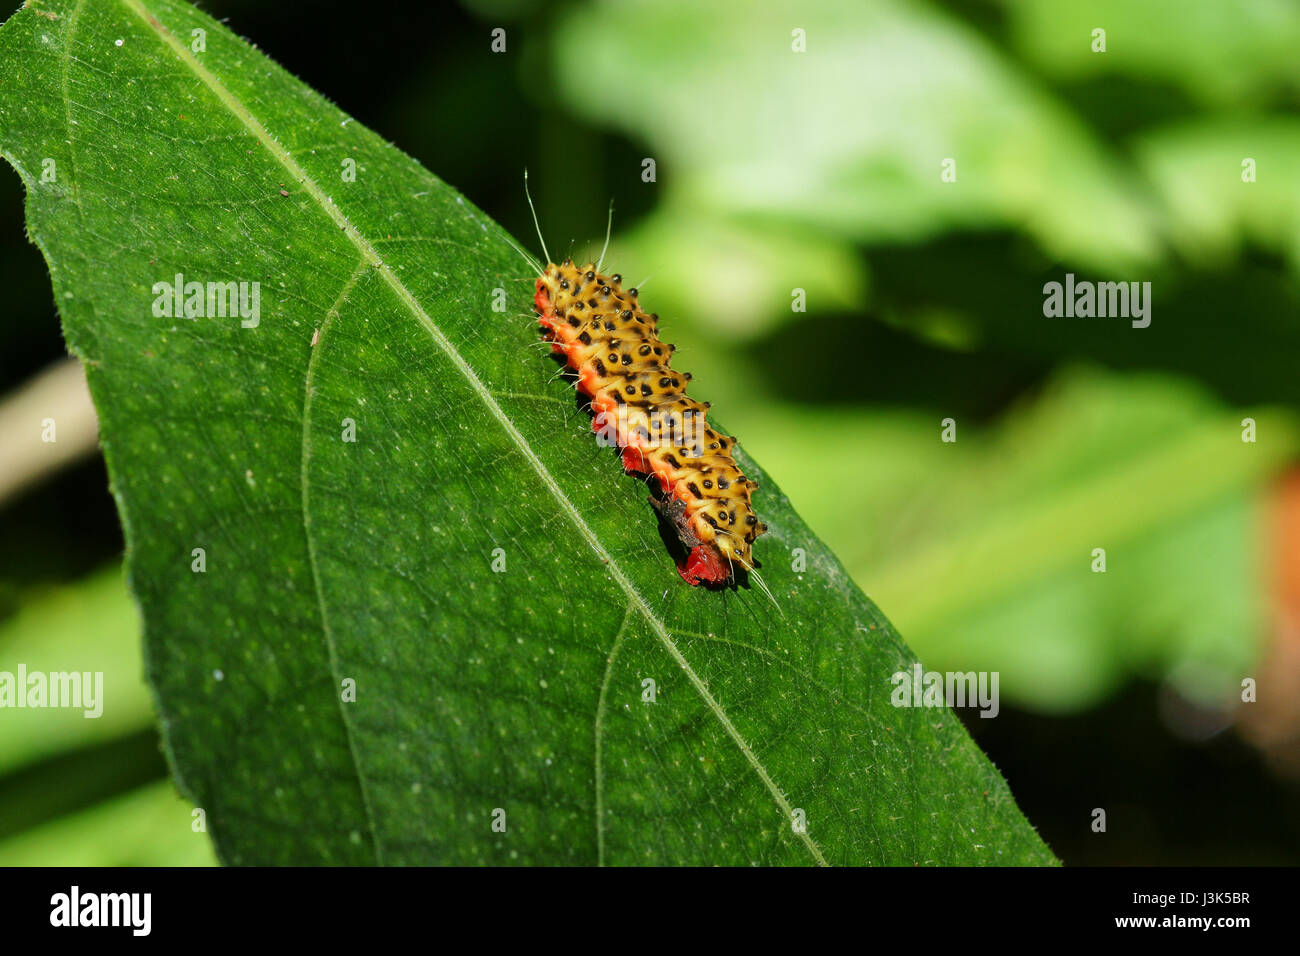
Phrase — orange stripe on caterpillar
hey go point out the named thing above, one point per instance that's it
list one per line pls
(640, 402)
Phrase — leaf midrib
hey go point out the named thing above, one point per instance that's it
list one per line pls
(371, 256)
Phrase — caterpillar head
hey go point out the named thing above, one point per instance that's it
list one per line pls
(584, 289)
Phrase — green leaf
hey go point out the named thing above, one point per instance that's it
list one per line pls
(1215, 205)
(371, 561)
(149, 826)
(87, 626)
(1246, 50)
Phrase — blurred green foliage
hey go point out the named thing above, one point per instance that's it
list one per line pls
(778, 169)
(150, 826)
(77, 790)
(88, 626)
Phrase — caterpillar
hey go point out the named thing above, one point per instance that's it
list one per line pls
(640, 405)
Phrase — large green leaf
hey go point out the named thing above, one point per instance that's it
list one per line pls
(330, 561)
